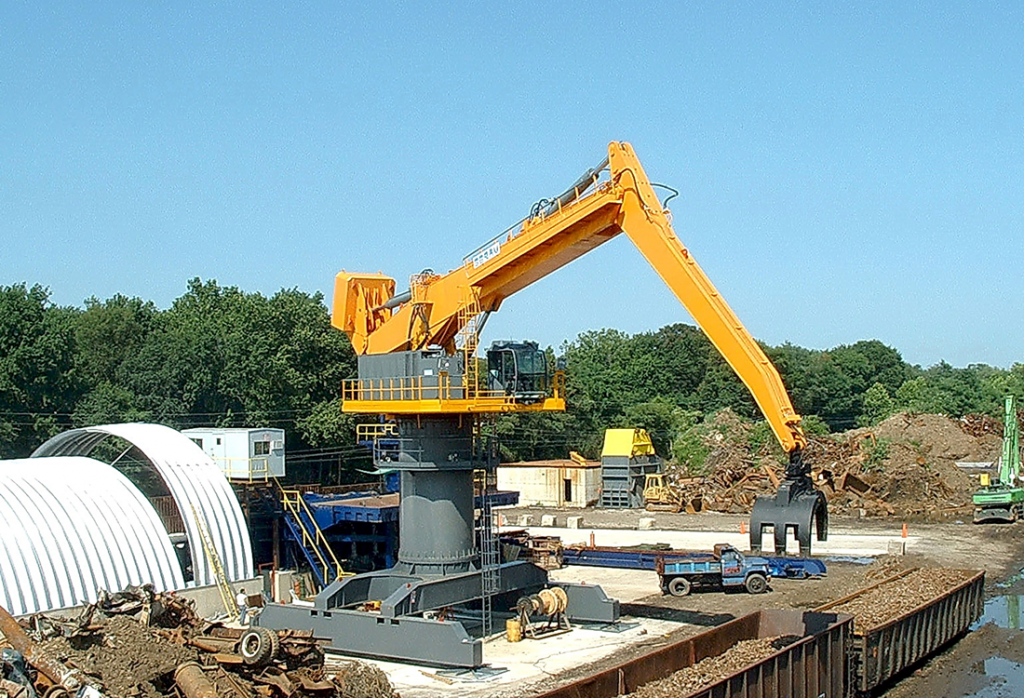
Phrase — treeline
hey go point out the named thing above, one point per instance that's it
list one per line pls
(217, 357)
(668, 381)
(220, 356)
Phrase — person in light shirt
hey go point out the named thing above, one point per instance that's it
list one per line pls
(243, 608)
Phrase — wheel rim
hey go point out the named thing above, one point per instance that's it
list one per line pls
(251, 645)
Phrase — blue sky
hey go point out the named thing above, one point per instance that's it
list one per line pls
(846, 171)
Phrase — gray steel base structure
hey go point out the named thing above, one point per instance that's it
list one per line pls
(401, 632)
(440, 567)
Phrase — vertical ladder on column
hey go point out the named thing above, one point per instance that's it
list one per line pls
(490, 571)
(467, 338)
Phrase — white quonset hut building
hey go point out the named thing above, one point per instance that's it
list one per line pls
(73, 525)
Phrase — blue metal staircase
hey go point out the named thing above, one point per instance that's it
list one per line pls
(302, 526)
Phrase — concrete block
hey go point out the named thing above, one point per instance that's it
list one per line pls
(574, 522)
(897, 547)
(646, 524)
(548, 520)
(525, 520)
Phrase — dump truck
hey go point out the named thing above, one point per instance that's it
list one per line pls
(728, 569)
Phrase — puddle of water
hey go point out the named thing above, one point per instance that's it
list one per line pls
(1004, 611)
(1007, 679)
(1011, 580)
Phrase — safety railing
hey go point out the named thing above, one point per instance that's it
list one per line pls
(255, 469)
(483, 451)
(382, 455)
(371, 432)
(430, 388)
(313, 539)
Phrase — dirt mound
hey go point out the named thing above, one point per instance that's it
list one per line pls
(909, 462)
(904, 467)
(730, 473)
(140, 644)
(125, 655)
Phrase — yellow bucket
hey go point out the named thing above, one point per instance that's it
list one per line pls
(513, 630)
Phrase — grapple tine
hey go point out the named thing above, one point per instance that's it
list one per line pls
(800, 511)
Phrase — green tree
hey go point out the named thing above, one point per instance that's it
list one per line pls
(38, 382)
(877, 406)
(219, 356)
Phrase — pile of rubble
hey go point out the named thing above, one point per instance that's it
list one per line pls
(905, 467)
(139, 644)
(735, 474)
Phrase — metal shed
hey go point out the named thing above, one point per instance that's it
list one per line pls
(200, 490)
(243, 455)
(72, 526)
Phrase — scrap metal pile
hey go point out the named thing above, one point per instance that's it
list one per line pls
(140, 644)
(905, 466)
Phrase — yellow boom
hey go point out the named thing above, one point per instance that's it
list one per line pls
(587, 215)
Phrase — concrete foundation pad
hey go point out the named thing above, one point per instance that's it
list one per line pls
(524, 662)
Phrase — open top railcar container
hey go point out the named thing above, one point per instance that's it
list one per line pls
(814, 666)
(882, 652)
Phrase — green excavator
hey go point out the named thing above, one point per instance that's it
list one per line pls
(1002, 499)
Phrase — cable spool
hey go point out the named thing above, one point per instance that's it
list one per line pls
(554, 601)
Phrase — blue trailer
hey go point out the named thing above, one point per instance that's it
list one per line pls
(727, 569)
(781, 567)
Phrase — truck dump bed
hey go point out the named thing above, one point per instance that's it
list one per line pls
(813, 665)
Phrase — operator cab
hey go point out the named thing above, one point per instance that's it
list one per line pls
(519, 369)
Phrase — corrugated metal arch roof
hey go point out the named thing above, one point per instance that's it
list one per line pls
(72, 526)
(194, 481)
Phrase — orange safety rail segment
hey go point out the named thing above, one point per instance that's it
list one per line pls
(473, 406)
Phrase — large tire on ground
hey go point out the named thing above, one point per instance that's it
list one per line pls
(258, 646)
(756, 583)
(679, 586)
